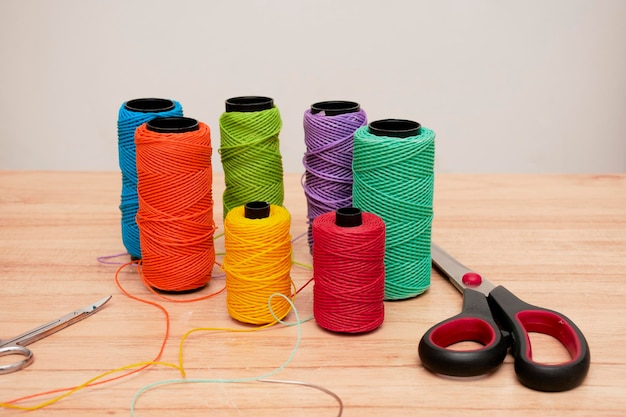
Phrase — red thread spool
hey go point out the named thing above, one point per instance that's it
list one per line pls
(175, 215)
(349, 270)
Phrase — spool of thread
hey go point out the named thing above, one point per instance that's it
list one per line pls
(349, 270)
(329, 128)
(175, 215)
(394, 177)
(250, 152)
(131, 115)
(257, 262)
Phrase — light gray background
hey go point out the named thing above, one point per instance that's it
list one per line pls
(508, 86)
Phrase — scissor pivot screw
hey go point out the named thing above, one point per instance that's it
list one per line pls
(472, 279)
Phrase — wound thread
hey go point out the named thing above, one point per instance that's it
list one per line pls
(349, 271)
(250, 152)
(257, 264)
(175, 215)
(394, 178)
(131, 115)
(329, 138)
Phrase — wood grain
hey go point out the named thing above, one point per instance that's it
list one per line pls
(557, 241)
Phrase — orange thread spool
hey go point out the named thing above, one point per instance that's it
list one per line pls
(175, 216)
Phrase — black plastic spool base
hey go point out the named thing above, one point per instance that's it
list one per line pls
(256, 210)
(348, 217)
(335, 107)
(248, 104)
(189, 291)
(149, 105)
(172, 125)
(395, 128)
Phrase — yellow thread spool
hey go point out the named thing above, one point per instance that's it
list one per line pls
(257, 262)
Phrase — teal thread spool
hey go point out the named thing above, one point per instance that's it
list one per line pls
(393, 169)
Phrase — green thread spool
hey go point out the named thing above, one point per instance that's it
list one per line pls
(393, 170)
(250, 152)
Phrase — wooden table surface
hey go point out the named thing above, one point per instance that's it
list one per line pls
(557, 241)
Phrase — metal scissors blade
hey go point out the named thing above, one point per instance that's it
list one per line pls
(16, 344)
(459, 275)
(54, 326)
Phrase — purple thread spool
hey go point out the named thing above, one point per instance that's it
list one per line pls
(329, 128)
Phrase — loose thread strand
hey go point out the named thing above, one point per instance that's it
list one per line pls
(97, 380)
(277, 319)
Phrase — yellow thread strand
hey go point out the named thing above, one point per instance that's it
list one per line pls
(284, 219)
(210, 329)
(289, 300)
(257, 264)
(270, 307)
(84, 385)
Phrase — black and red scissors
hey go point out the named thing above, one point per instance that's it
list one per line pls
(496, 319)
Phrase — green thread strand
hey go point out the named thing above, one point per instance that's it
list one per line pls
(394, 178)
(250, 155)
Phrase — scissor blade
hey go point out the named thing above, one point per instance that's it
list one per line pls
(455, 271)
(54, 326)
(92, 308)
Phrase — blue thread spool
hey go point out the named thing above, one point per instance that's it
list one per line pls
(132, 114)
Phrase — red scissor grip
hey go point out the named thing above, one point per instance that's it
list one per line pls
(520, 318)
(551, 324)
(474, 323)
(463, 329)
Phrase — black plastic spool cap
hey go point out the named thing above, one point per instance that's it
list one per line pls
(173, 125)
(348, 217)
(395, 128)
(249, 104)
(256, 210)
(149, 105)
(335, 107)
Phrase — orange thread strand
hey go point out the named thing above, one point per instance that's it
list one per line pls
(173, 299)
(175, 215)
(134, 371)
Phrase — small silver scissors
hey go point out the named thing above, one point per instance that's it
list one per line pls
(16, 345)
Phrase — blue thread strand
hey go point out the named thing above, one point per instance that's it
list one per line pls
(128, 121)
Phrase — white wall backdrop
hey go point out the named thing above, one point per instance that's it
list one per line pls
(508, 86)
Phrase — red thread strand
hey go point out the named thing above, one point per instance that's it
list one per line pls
(175, 215)
(349, 274)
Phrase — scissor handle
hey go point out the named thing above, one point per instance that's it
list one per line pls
(474, 323)
(16, 366)
(520, 319)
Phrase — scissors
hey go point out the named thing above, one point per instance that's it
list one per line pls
(495, 318)
(16, 345)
